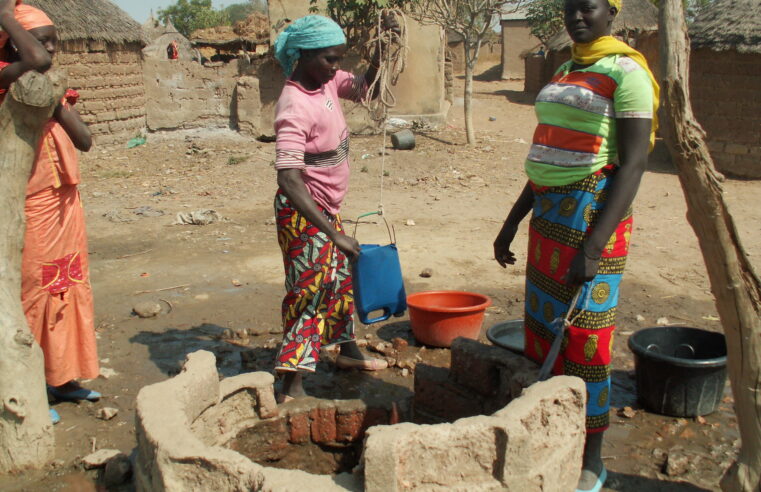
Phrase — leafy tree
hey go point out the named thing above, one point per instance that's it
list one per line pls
(472, 20)
(189, 15)
(545, 18)
(357, 17)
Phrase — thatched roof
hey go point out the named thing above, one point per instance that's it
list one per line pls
(635, 16)
(98, 20)
(729, 25)
(152, 28)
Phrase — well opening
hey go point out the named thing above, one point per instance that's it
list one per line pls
(323, 437)
(326, 437)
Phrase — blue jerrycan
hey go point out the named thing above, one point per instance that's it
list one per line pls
(377, 279)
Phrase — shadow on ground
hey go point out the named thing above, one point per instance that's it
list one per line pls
(517, 97)
(621, 482)
(169, 349)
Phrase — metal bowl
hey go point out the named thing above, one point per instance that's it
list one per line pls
(508, 334)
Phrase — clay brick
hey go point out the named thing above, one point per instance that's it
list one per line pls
(298, 428)
(105, 116)
(736, 149)
(374, 416)
(350, 425)
(476, 365)
(436, 395)
(323, 425)
(715, 146)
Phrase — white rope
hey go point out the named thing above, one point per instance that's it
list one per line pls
(392, 50)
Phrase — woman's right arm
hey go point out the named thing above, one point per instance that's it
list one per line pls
(520, 209)
(33, 55)
(292, 184)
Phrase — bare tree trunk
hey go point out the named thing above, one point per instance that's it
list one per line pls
(734, 283)
(471, 57)
(468, 96)
(26, 437)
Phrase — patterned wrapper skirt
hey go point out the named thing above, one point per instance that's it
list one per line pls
(318, 306)
(562, 217)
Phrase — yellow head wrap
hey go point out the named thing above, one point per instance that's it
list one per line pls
(590, 53)
(616, 3)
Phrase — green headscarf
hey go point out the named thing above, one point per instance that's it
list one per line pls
(307, 33)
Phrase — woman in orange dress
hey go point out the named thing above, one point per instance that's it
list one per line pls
(55, 291)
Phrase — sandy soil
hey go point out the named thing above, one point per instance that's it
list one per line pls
(228, 275)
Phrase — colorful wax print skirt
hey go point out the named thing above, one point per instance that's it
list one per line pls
(562, 217)
(318, 306)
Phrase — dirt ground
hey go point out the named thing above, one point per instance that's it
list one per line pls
(228, 275)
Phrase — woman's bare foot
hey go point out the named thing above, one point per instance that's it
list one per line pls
(351, 350)
(292, 388)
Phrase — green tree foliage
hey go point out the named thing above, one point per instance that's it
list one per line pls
(189, 15)
(356, 16)
(545, 18)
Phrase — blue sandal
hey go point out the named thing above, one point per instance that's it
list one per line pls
(75, 395)
(54, 417)
(600, 482)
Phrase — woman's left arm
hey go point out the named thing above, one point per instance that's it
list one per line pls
(77, 130)
(633, 147)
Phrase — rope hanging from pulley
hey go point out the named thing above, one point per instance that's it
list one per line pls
(392, 51)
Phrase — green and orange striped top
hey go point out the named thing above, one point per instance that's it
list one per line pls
(577, 112)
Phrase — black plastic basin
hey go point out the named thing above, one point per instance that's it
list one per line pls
(681, 371)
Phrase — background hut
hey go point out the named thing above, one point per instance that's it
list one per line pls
(516, 40)
(636, 24)
(160, 37)
(725, 77)
(101, 49)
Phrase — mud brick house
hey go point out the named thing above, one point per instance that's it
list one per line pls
(725, 78)
(159, 37)
(516, 41)
(101, 49)
(636, 24)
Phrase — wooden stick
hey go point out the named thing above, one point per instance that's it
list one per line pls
(138, 292)
(134, 254)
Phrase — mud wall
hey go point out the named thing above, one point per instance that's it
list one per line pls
(186, 94)
(109, 79)
(516, 39)
(283, 12)
(724, 92)
(420, 91)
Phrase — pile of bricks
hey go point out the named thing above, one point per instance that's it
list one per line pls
(481, 380)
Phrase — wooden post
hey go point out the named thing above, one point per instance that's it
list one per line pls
(734, 284)
(26, 435)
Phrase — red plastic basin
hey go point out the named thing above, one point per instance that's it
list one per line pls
(438, 317)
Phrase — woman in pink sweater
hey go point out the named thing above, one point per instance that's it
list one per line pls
(313, 176)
